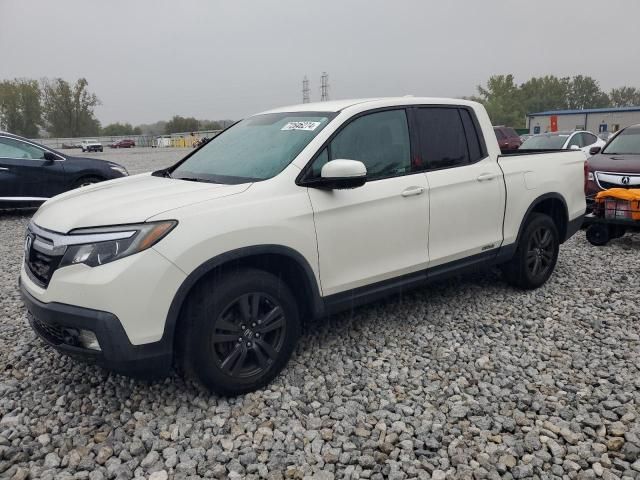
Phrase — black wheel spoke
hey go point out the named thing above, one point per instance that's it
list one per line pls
(268, 349)
(536, 266)
(272, 321)
(244, 303)
(274, 325)
(263, 361)
(239, 364)
(255, 306)
(226, 324)
(546, 239)
(224, 338)
(230, 361)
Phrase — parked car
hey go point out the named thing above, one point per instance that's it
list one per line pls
(617, 165)
(91, 146)
(127, 143)
(31, 173)
(508, 138)
(578, 140)
(287, 216)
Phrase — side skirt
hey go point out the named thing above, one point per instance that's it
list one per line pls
(360, 296)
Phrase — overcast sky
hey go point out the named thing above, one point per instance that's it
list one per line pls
(150, 59)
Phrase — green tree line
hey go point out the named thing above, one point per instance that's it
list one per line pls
(508, 103)
(62, 109)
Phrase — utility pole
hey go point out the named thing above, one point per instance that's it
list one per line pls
(305, 90)
(324, 87)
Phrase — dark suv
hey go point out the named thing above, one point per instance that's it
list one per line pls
(508, 138)
(31, 173)
(617, 165)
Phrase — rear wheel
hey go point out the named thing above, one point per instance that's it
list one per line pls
(241, 329)
(536, 254)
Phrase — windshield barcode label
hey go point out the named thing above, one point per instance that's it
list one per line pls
(310, 126)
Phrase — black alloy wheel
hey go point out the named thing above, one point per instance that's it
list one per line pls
(540, 251)
(248, 335)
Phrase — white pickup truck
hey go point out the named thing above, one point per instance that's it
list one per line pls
(215, 263)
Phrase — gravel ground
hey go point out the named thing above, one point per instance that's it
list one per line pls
(138, 159)
(466, 379)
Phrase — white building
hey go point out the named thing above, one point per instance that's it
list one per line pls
(595, 120)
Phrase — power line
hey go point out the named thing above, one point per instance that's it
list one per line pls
(305, 90)
(324, 87)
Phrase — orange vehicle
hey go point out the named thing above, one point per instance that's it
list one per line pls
(615, 211)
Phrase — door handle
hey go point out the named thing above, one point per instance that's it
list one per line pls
(4, 169)
(411, 191)
(485, 177)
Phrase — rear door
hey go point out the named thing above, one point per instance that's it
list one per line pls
(466, 187)
(25, 174)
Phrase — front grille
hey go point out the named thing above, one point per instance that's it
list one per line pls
(41, 256)
(608, 185)
(41, 265)
(50, 332)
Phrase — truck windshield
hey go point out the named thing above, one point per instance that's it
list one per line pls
(625, 143)
(544, 142)
(254, 149)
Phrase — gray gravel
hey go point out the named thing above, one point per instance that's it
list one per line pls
(466, 379)
(138, 160)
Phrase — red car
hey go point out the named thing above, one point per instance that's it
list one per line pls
(508, 138)
(123, 144)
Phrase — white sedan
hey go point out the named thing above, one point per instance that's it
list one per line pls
(577, 140)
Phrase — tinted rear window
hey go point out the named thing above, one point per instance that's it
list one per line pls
(442, 138)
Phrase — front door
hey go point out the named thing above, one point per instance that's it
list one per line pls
(466, 187)
(25, 174)
(380, 230)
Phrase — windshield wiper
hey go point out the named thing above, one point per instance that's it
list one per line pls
(194, 179)
(162, 173)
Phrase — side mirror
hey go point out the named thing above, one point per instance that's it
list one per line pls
(50, 156)
(595, 150)
(574, 147)
(340, 174)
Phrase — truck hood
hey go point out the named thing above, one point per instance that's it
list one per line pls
(614, 163)
(127, 200)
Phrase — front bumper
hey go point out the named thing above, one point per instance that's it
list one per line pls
(56, 323)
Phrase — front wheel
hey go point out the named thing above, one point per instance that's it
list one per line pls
(536, 254)
(84, 181)
(240, 330)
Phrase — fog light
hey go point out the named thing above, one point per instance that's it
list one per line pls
(87, 339)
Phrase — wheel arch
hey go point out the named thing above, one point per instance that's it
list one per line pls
(552, 204)
(282, 261)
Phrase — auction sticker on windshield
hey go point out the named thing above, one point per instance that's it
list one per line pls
(310, 126)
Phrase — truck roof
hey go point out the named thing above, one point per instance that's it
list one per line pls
(338, 105)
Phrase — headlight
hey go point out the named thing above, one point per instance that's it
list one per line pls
(119, 169)
(591, 177)
(97, 246)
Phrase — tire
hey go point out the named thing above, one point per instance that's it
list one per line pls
(536, 254)
(82, 150)
(84, 181)
(598, 234)
(222, 343)
(617, 231)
